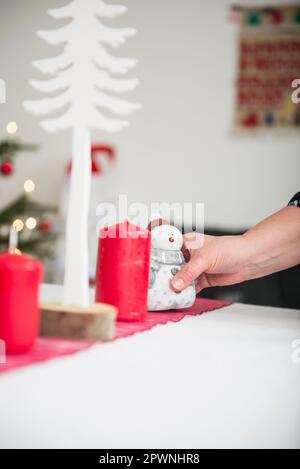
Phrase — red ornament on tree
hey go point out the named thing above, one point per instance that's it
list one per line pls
(45, 226)
(7, 168)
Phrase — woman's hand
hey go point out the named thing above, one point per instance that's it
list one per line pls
(272, 245)
(222, 260)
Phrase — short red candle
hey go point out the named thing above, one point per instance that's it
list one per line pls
(123, 270)
(20, 276)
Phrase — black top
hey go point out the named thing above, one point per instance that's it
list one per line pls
(295, 200)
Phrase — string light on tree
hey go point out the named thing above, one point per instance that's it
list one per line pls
(33, 220)
(12, 128)
(18, 224)
(31, 223)
(29, 185)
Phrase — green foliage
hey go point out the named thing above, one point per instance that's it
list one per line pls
(36, 242)
(24, 206)
(9, 148)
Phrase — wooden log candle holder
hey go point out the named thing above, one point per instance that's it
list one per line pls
(96, 322)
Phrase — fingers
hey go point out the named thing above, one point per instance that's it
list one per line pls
(188, 274)
(218, 280)
(195, 266)
(193, 240)
(202, 282)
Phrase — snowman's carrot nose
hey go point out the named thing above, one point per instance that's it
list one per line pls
(171, 239)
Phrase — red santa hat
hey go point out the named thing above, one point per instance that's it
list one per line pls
(156, 220)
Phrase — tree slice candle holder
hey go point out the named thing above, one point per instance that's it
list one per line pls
(96, 322)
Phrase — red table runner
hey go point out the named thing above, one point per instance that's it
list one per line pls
(48, 348)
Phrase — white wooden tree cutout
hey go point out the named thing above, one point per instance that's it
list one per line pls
(82, 76)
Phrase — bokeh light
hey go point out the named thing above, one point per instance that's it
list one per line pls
(31, 223)
(18, 224)
(11, 127)
(29, 185)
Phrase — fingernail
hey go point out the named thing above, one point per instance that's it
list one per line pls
(178, 283)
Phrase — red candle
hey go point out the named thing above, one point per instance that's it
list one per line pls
(20, 276)
(123, 270)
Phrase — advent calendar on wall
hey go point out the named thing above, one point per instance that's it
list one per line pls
(269, 63)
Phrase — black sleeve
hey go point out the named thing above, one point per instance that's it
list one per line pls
(295, 200)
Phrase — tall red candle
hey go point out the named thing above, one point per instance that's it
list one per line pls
(123, 270)
(20, 276)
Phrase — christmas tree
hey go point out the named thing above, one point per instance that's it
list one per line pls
(33, 222)
(8, 151)
(31, 219)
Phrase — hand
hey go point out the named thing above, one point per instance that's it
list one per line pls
(270, 246)
(222, 260)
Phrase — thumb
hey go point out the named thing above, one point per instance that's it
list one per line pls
(188, 274)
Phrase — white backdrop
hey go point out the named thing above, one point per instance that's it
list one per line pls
(180, 146)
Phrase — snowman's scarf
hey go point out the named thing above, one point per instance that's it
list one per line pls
(167, 257)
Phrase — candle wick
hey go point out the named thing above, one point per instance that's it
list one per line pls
(13, 240)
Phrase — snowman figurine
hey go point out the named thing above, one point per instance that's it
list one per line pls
(166, 261)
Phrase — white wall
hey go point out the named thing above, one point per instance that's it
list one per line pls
(180, 146)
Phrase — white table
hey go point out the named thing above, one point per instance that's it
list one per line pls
(223, 379)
